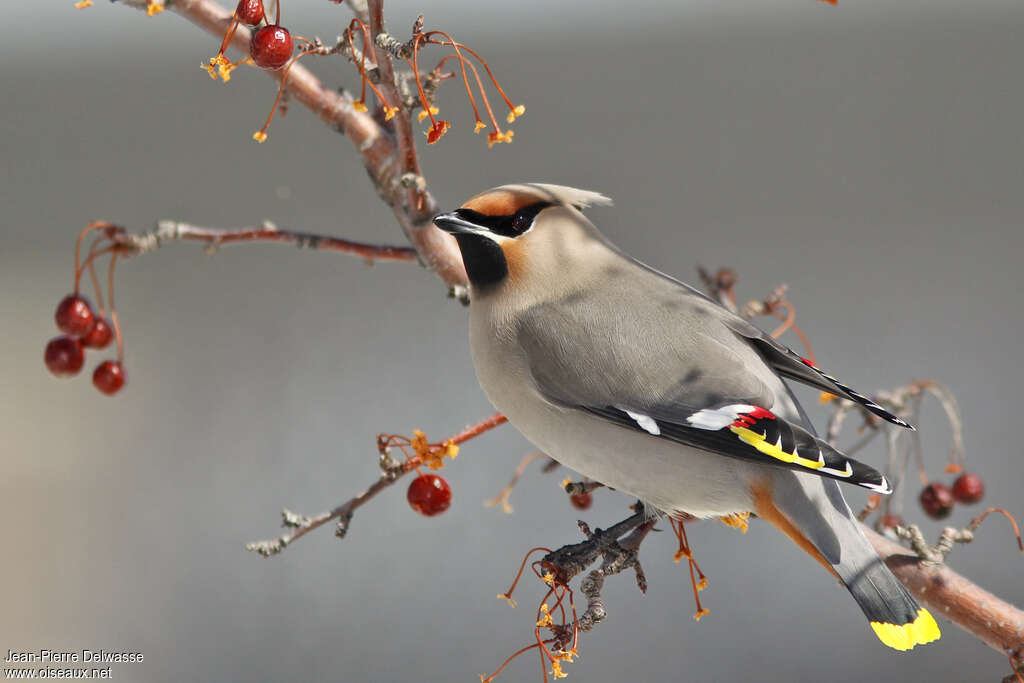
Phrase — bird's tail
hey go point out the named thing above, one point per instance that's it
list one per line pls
(812, 512)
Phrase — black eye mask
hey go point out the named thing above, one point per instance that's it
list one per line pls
(512, 225)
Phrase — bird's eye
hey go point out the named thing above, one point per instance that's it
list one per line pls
(521, 221)
(523, 218)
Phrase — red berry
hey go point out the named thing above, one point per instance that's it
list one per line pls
(108, 377)
(581, 501)
(429, 495)
(249, 11)
(99, 336)
(271, 47)
(64, 356)
(937, 501)
(968, 488)
(74, 316)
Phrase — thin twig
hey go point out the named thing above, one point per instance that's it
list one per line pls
(171, 231)
(391, 471)
(437, 250)
(996, 622)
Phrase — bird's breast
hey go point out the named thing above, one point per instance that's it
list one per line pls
(668, 476)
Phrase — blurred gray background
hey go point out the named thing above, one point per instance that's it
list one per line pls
(869, 155)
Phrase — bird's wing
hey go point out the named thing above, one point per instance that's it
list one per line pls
(678, 382)
(791, 365)
(779, 357)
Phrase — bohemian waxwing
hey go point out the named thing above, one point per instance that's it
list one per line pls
(640, 382)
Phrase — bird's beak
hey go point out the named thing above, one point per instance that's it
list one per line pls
(451, 222)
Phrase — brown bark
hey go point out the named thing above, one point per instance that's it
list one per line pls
(996, 622)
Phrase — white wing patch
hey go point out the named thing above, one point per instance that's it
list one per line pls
(714, 419)
(646, 422)
(883, 487)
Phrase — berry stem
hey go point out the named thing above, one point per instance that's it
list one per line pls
(229, 35)
(462, 65)
(414, 64)
(113, 312)
(506, 492)
(488, 69)
(90, 262)
(262, 133)
(95, 225)
(365, 31)
(508, 594)
(515, 654)
(976, 522)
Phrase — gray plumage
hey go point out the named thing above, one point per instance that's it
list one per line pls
(606, 365)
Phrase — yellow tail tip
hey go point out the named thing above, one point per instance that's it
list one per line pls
(905, 636)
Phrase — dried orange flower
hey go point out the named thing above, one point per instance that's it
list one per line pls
(515, 113)
(437, 130)
(546, 619)
(507, 598)
(389, 112)
(225, 68)
(432, 455)
(259, 136)
(424, 113)
(216, 63)
(736, 521)
(82, 4)
(153, 8)
(450, 449)
(498, 136)
(359, 105)
(479, 126)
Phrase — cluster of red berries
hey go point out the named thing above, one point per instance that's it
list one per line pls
(273, 47)
(82, 326)
(82, 329)
(937, 499)
(429, 495)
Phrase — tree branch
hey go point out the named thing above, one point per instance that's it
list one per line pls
(170, 231)
(994, 621)
(391, 471)
(411, 202)
(394, 169)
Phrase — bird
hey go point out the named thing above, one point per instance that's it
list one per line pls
(641, 382)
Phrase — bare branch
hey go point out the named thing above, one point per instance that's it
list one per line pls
(996, 622)
(412, 204)
(570, 560)
(171, 231)
(391, 471)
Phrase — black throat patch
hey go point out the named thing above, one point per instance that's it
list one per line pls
(484, 260)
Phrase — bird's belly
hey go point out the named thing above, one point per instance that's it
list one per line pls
(664, 474)
(669, 476)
